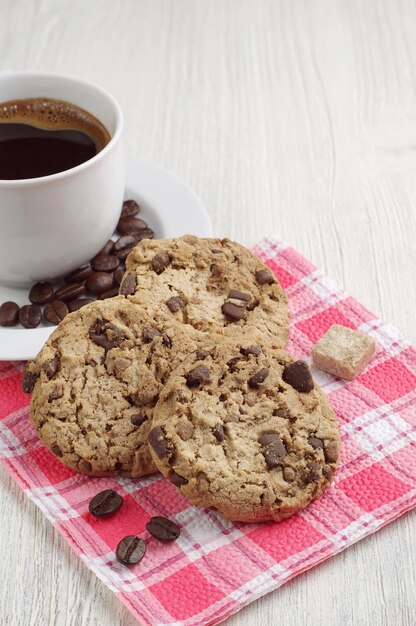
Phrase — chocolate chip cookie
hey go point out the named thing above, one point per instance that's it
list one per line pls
(245, 430)
(212, 285)
(95, 383)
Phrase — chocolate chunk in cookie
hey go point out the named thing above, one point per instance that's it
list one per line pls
(233, 312)
(218, 432)
(150, 333)
(263, 277)
(175, 303)
(159, 443)
(160, 262)
(177, 480)
(128, 285)
(198, 376)
(51, 367)
(273, 449)
(258, 378)
(138, 419)
(105, 334)
(255, 350)
(331, 451)
(299, 376)
(29, 379)
(315, 442)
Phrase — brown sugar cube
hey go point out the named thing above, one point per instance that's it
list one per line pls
(343, 352)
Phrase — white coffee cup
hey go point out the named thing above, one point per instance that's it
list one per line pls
(53, 224)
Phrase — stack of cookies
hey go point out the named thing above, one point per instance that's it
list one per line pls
(185, 373)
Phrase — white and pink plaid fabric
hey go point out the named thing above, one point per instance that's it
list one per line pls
(216, 567)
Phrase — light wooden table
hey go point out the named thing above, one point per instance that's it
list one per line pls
(294, 117)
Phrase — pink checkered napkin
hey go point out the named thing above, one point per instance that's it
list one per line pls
(216, 567)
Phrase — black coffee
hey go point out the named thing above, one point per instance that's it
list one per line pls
(42, 136)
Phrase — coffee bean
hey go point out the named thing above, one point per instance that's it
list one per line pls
(130, 550)
(263, 277)
(99, 282)
(233, 312)
(273, 449)
(79, 276)
(41, 293)
(150, 333)
(159, 443)
(9, 314)
(69, 292)
(160, 262)
(138, 419)
(55, 311)
(239, 295)
(331, 452)
(105, 503)
(258, 378)
(130, 225)
(315, 442)
(298, 375)
(198, 376)
(106, 335)
(29, 380)
(107, 248)
(104, 263)
(130, 208)
(75, 305)
(124, 253)
(51, 367)
(30, 315)
(128, 286)
(218, 432)
(175, 303)
(118, 275)
(313, 473)
(163, 529)
(250, 350)
(146, 233)
(126, 242)
(111, 293)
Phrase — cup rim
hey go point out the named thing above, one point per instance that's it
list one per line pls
(43, 180)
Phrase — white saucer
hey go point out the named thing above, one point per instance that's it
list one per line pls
(169, 207)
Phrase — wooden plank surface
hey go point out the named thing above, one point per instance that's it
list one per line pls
(294, 117)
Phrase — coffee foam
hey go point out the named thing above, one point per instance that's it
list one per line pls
(52, 114)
